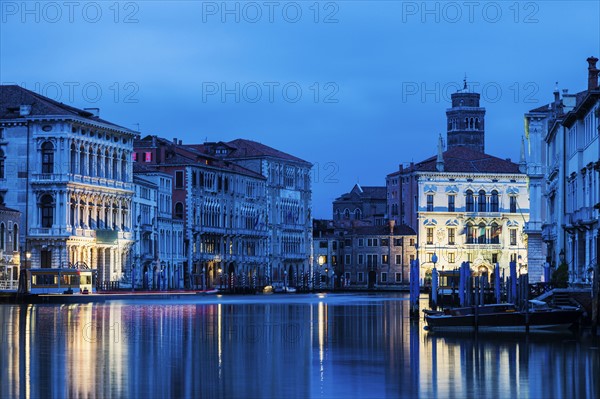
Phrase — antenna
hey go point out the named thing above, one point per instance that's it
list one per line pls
(138, 126)
(465, 82)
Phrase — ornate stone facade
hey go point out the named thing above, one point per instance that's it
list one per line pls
(71, 178)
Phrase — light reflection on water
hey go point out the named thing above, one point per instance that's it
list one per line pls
(277, 346)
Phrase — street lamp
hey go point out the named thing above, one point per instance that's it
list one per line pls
(220, 277)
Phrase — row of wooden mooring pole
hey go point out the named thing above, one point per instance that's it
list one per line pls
(471, 289)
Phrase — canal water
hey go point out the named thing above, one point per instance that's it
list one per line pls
(277, 346)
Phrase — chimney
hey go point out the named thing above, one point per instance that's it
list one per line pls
(592, 73)
(556, 94)
(174, 140)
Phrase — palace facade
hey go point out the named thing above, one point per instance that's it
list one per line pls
(69, 174)
(464, 204)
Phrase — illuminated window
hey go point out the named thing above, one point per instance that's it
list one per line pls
(451, 236)
(429, 235)
(148, 157)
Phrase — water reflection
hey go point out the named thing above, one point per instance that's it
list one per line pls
(299, 346)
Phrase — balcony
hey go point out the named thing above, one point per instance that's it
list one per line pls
(146, 227)
(100, 181)
(48, 178)
(84, 233)
(582, 217)
(48, 231)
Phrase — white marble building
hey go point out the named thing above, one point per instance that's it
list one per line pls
(563, 138)
(70, 176)
(464, 204)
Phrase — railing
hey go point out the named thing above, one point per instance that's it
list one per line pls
(583, 215)
(101, 181)
(48, 177)
(538, 289)
(107, 285)
(8, 285)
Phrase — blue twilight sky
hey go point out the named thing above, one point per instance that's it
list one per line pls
(355, 87)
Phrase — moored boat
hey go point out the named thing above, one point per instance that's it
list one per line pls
(503, 317)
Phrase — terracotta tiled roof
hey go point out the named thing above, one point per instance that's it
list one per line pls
(251, 149)
(139, 167)
(399, 230)
(12, 97)
(376, 192)
(5, 209)
(181, 154)
(463, 159)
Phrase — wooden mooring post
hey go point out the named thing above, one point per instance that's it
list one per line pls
(596, 289)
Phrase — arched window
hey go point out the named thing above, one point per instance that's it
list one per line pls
(99, 171)
(124, 168)
(469, 233)
(2, 236)
(47, 157)
(357, 214)
(73, 159)
(496, 231)
(106, 165)
(2, 158)
(477, 123)
(46, 211)
(470, 202)
(91, 163)
(346, 213)
(481, 235)
(115, 164)
(494, 207)
(179, 210)
(481, 201)
(82, 170)
(15, 238)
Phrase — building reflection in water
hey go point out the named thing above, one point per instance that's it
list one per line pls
(307, 346)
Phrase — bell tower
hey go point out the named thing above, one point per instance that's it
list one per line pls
(466, 124)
